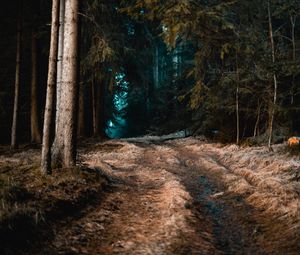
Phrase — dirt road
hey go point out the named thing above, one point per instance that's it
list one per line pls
(164, 198)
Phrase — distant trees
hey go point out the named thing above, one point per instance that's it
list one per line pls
(245, 63)
(103, 46)
(27, 58)
(273, 106)
(34, 115)
(228, 67)
(17, 79)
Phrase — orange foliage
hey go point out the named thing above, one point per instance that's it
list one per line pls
(294, 141)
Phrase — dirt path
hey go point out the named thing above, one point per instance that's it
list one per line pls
(163, 199)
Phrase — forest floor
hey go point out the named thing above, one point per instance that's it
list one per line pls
(159, 196)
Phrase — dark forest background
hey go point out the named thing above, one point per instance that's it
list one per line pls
(163, 66)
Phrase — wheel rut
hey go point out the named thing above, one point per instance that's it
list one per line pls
(162, 201)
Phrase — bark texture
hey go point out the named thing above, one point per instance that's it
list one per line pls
(58, 144)
(272, 107)
(237, 103)
(14, 127)
(46, 148)
(69, 83)
(99, 109)
(256, 127)
(293, 19)
(156, 67)
(35, 128)
(81, 126)
(94, 108)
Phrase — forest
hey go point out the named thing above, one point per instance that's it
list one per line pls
(150, 127)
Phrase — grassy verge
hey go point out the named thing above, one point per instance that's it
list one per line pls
(30, 202)
(269, 182)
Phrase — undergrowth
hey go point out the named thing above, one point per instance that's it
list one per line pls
(30, 202)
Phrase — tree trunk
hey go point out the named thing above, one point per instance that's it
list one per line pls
(98, 109)
(51, 82)
(81, 126)
(69, 80)
(237, 110)
(60, 57)
(156, 68)
(102, 109)
(272, 110)
(94, 108)
(272, 113)
(58, 145)
(35, 128)
(14, 144)
(256, 127)
(237, 103)
(293, 24)
(81, 90)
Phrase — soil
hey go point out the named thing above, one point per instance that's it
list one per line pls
(159, 202)
(167, 197)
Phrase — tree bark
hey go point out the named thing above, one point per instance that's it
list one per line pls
(98, 108)
(81, 126)
(60, 57)
(237, 110)
(98, 100)
(94, 108)
(81, 89)
(293, 24)
(51, 82)
(272, 110)
(58, 145)
(35, 128)
(14, 127)
(69, 82)
(237, 103)
(156, 67)
(256, 127)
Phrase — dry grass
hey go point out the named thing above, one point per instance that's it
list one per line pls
(274, 188)
(19, 216)
(154, 217)
(29, 201)
(269, 182)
